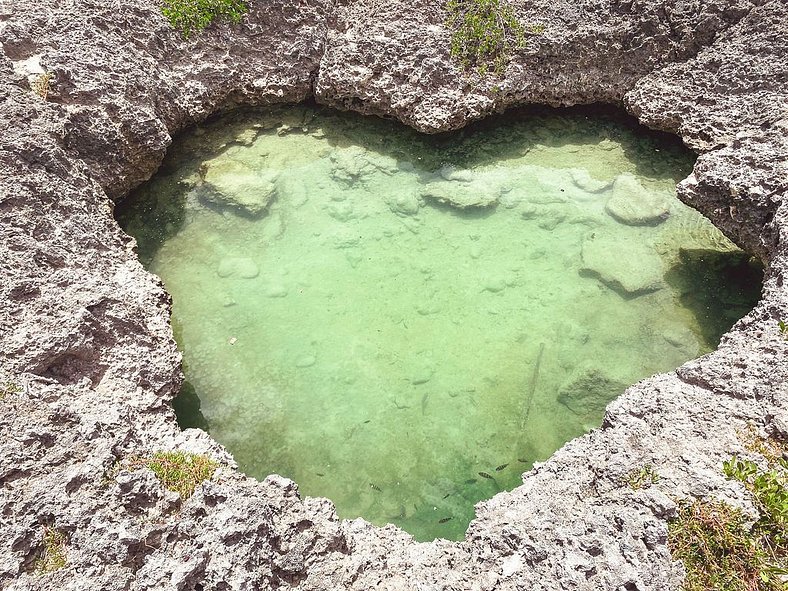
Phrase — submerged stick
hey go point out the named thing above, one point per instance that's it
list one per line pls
(529, 395)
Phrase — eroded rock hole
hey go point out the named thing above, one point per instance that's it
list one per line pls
(404, 324)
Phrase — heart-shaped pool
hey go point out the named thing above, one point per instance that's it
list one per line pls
(404, 324)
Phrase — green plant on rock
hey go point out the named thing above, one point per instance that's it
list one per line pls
(41, 84)
(642, 478)
(9, 388)
(722, 549)
(719, 550)
(783, 328)
(769, 448)
(485, 33)
(192, 16)
(769, 489)
(178, 471)
(53, 556)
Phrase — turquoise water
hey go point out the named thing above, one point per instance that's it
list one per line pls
(404, 324)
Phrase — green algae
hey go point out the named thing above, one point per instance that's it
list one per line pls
(404, 323)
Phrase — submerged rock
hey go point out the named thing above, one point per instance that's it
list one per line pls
(630, 269)
(586, 393)
(235, 185)
(293, 189)
(461, 194)
(634, 205)
(464, 188)
(405, 203)
(237, 267)
(583, 180)
(352, 164)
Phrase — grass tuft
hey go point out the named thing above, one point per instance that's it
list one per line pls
(769, 448)
(178, 471)
(9, 389)
(721, 549)
(642, 478)
(53, 556)
(41, 84)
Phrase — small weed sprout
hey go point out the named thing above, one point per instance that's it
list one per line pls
(193, 16)
(41, 84)
(485, 33)
(178, 471)
(53, 556)
(9, 389)
(642, 478)
(783, 328)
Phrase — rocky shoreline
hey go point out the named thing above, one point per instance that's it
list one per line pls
(85, 332)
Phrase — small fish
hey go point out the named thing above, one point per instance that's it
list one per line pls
(374, 486)
(447, 495)
(522, 461)
(320, 474)
(424, 400)
(367, 421)
(445, 519)
(485, 475)
(501, 467)
(471, 481)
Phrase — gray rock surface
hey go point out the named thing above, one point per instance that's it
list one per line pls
(84, 330)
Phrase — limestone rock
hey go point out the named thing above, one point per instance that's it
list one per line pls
(634, 205)
(631, 269)
(237, 185)
(405, 202)
(350, 165)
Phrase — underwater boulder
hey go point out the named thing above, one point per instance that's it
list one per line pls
(234, 185)
(461, 194)
(589, 391)
(237, 267)
(634, 205)
(583, 180)
(631, 269)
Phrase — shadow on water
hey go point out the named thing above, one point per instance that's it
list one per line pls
(717, 287)
(483, 143)
(509, 136)
(166, 208)
(187, 409)
(496, 138)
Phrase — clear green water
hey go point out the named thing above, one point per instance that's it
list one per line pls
(401, 355)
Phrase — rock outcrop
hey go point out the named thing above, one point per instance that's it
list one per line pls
(91, 92)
